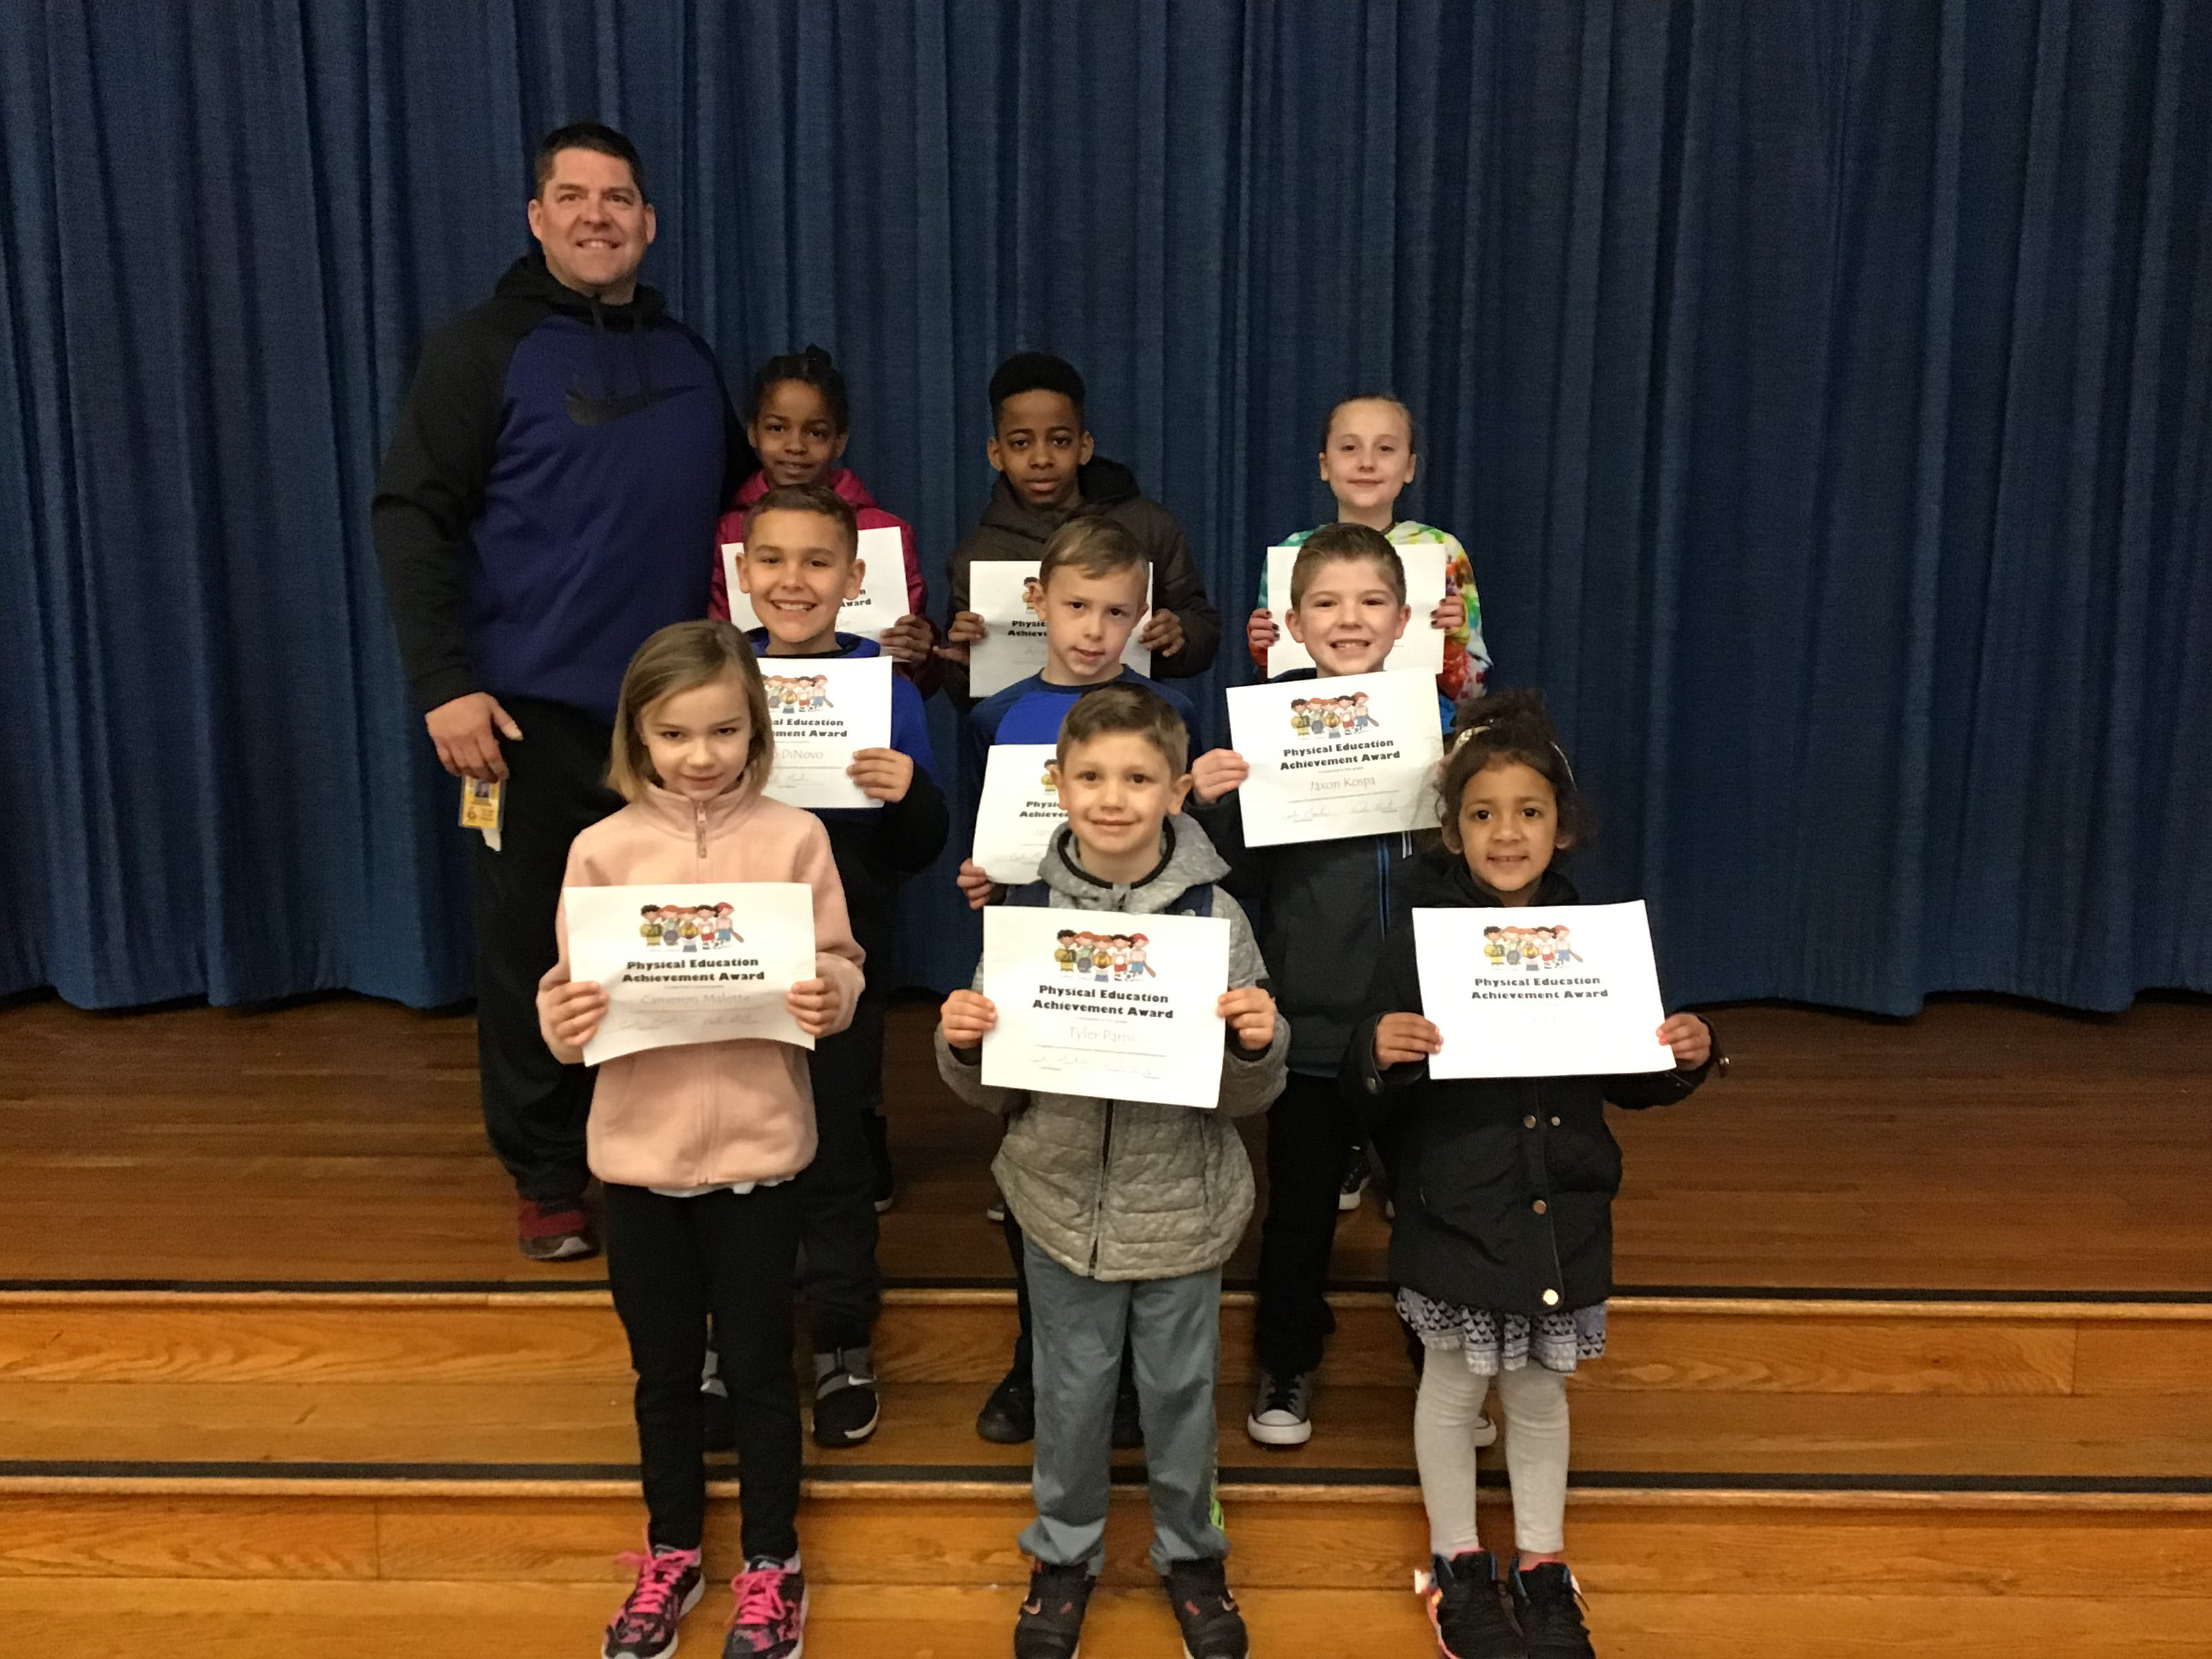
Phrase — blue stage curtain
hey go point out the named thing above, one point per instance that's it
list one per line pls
(1824, 391)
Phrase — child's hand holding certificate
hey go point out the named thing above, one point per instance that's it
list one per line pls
(824, 710)
(1103, 1003)
(1352, 756)
(1553, 991)
(690, 962)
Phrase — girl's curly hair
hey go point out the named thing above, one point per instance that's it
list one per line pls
(1504, 728)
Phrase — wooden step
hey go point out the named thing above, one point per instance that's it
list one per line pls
(203, 1619)
(584, 1431)
(1725, 1344)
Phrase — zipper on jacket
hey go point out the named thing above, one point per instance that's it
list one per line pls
(1105, 1159)
(699, 830)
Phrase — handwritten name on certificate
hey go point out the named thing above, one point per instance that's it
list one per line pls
(823, 709)
(1018, 812)
(1012, 645)
(880, 602)
(1352, 756)
(1565, 990)
(1099, 1002)
(1420, 649)
(691, 962)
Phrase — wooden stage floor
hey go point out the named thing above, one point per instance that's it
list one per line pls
(1983, 1147)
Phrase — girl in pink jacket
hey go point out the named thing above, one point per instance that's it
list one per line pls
(697, 1145)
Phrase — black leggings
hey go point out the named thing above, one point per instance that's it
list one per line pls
(672, 1262)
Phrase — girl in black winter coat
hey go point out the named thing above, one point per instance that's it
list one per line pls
(1502, 1247)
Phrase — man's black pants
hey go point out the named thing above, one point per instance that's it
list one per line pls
(534, 1107)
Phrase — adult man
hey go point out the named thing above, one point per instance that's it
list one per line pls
(549, 500)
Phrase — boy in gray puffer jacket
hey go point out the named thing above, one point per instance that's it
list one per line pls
(1128, 1209)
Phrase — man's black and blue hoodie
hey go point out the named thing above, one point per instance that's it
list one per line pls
(550, 496)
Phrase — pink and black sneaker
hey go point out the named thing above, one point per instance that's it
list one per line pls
(669, 1585)
(555, 1230)
(769, 1620)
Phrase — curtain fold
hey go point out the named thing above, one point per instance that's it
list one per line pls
(1824, 392)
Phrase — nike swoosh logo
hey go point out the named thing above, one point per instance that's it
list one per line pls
(586, 411)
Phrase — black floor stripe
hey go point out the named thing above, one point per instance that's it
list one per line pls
(1016, 1475)
(525, 1287)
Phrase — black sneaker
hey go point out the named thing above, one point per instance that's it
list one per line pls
(1354, 1185)
(1009, 1416)
(1128, 1426)
(1198, 1592)
(1051, 1622)
(1282, 1410)
(845, 1405)
(879, 1154)
(1467, 1609)
(1549, 1603)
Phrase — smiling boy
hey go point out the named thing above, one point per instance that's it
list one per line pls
(1126, 1211)
(1348, 608)
(801, 563)
(1048, 477)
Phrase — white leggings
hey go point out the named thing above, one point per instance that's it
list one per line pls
(1450, 1404)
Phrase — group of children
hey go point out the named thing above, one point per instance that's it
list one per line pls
(692, 927)
(1104, 956)
(723, 1162)
(1331, 717)
(1529, 947)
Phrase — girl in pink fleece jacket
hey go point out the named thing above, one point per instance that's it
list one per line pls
(696, 1146)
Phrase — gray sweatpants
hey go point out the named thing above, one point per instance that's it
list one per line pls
(1174, 1326)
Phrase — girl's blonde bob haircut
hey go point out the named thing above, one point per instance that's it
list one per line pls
(682, 657)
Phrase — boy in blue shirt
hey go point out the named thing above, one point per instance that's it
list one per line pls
(1090, 597)
(801, 563)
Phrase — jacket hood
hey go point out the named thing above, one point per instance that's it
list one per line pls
(848, 645)
(527, 278)
(1188, 860)
(1101, 483)
(842, 479)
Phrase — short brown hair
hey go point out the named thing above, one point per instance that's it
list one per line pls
(1121, 707)
(1340, 544)
(1095, 545)
(593, 135)
(682, 656)
(809, 498)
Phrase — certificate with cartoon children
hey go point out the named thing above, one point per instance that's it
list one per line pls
(690, 962)
(1557, 991)
(1353, 756)
(1018, 812)
(880, 602)
(1004, 594)
(1098, 1002)
(824, 709)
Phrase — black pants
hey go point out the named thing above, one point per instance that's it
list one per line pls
(672, 1262)
(1308, 1139)
(534, 1107)
(837, 1192)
